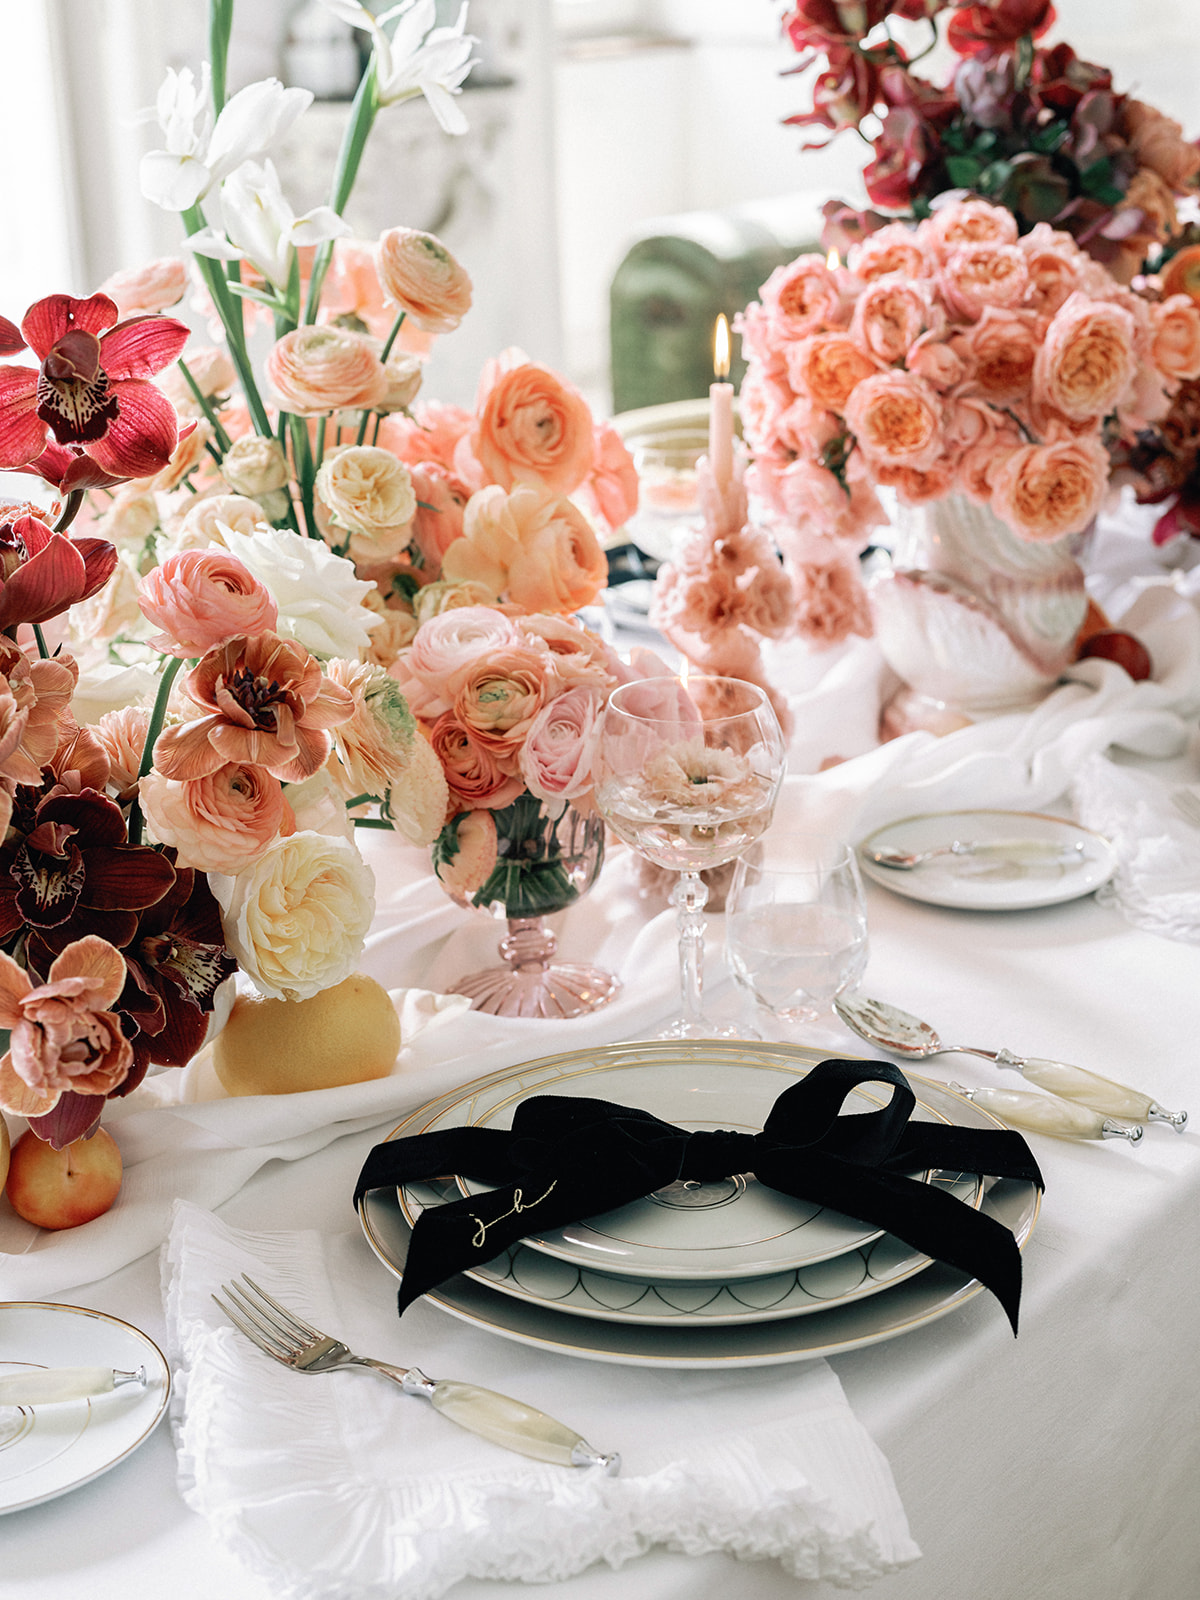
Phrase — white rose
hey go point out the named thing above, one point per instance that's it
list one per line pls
(254, 466)
(370, 493)
(130, 519)
(321, 600)
(298, 917)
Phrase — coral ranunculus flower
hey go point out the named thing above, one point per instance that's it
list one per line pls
(92, 388)
(269, 705)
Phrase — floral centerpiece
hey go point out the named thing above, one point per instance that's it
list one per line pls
(1028, 126)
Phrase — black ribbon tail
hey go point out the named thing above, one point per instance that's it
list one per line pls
(483, 1152)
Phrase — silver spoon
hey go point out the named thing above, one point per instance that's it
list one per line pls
(1018, 851)
(906, 1035)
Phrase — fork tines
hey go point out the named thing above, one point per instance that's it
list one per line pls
(271, 1326)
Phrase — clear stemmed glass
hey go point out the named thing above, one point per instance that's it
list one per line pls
(689, 770)
(796, 927)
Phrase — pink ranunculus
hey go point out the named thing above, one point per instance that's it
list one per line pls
(966, 222)
(977, 275)
(1087, 359)
(441, 502)
(352, 289)
(141, 291)
(897, 420)
(891, 314)
(802, 298)
(579, 658)
(894, 249)
(474, 776)
(534, 429)
(1044, 492)
(422, 278)
(560, 748)
(220, 823)
(64, 1036)
(825, 367)
(200, 598)
(1003, 347)
(612, 486)
(1176, 337)
(323, 369)
(431, 435)
(1056, 267)
(444, 649)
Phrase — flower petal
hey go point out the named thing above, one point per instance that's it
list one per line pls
(125, 877)
(10, 338)
(46, 321)
(142, 439)
(76, 1116)
(185, 751)
(99, 564)
(142, 346)
(97, 961)
(22, 432)
(17, 1098)
(45, 585)
(14, 986)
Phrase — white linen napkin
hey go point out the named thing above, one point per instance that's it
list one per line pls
(331, 1488)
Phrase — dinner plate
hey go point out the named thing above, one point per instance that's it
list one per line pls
(983, 883)
(45, 1451)
(737, 1228)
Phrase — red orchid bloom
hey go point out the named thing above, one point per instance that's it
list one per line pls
(92, 388)
(42, 573)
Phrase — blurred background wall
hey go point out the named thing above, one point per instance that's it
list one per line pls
(590, 120)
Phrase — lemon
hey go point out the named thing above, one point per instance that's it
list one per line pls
(347, 1034)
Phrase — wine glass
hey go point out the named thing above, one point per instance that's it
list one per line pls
(796, 926)
(689, 770)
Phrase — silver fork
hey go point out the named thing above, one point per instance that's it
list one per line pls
(288, 1339)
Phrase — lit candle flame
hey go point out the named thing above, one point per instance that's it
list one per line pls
(721, 347)
(833, 261)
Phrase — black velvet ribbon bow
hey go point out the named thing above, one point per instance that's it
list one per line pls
(566, 1159)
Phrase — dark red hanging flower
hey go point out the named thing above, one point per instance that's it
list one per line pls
(996, 25)
(42, 573)
(92, 390)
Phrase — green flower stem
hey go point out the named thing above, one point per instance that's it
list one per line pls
(321, 425)
(70, 510)
(220, 26)
(391, 338)
(362, 425)
(154, 728)
(229, 309)
(41, 642)
(303, 464)
(362, 116)
(222, 438)
(374, 822)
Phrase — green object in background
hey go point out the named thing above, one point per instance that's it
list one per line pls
(678, 277)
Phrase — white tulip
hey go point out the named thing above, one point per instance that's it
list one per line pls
(199, 154)
(260, 225)
(417, 58)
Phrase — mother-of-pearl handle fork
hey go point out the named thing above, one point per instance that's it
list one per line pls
(283, 1336)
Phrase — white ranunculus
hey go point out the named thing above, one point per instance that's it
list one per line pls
(320, 598)
(260, 225)
(417, 57)
(199, 154)
(296, 919)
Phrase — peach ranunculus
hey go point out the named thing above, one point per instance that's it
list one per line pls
(323, 369)
(534, 429)
(499, 698)
(374, 745)
(978, 275)
(122, 736)
(218, 823)
(474, 776)
(897, 420)
(1003, 347)
(966, 222)
(444, 650)
(894, 248)
(891, 314)
(1087, 360)
(1044, 492)
(141, 291)
(802, 297)
(1176, 337)
(612, 486)
(559, 752)
(431, 435)
(542, 554)
(438, 519)
(199, 598)
(370, 495)
(297, 917)
(826, 367)
(1158, 143)
(268, 704)
(419, 274)
(353, 294)
(63, 1034)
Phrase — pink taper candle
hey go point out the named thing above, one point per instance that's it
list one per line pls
(720, 409)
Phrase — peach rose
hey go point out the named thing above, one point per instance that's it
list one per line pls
(200, 598)
(977, 275)
(316, 369)
(141, 291)
(1044, 492)
(559, 752)
(219, 823)
(202, 524)
(893, 249)
(444, 650)
(370, 494)
(897, 420)
(1056, 267)
(63, 1034)
(939, 361)
(918, 487)
(1003, 346)
(1176, 339)
(438, 519)
(966, 222)
(825, 367)
(542, 553)
(812, 503)
(890, 315)
(432, 435)
(1158, 143)
(419, 275)
(474, 776)
(1086, 361)
(802, 298)
(534, 429)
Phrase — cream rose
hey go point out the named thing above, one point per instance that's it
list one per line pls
(1044, 492)
(297, 917)
(322, 369)
(418, 274)
(369, 493)
(897, 420)
(254, 466)
(208, 519)
(210, 370)
(1086, 361)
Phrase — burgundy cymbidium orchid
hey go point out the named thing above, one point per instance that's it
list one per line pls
(91, 390)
